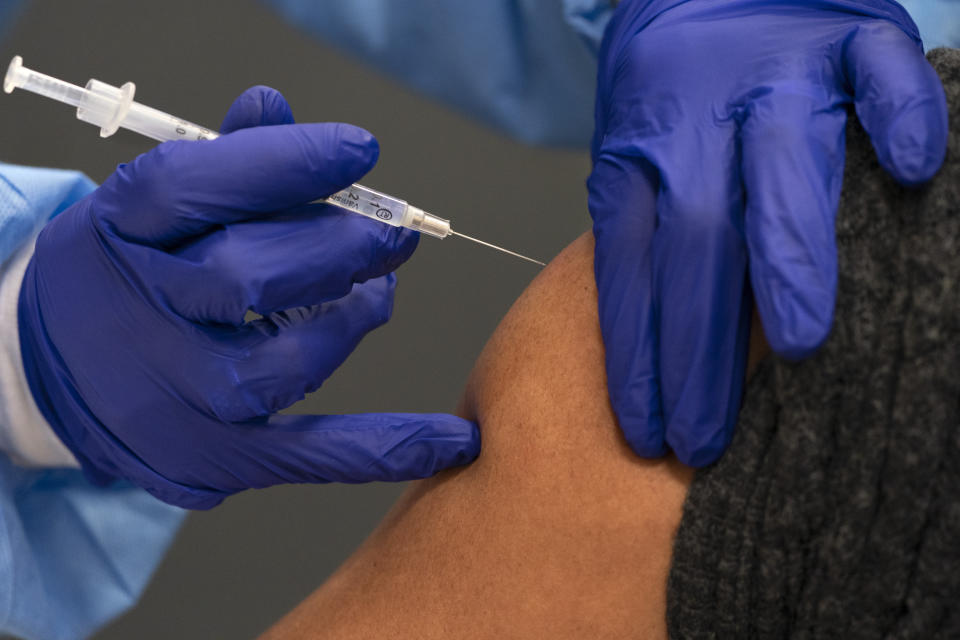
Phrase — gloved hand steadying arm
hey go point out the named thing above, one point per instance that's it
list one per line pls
(132, 316)
(718, 161)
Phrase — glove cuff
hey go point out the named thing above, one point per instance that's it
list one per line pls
(103, 458)
(50, 383)
(25, 435)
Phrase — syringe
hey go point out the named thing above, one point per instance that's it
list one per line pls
(111, 108)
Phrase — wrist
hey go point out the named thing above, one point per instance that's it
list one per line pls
(48, 381)
(25, 434)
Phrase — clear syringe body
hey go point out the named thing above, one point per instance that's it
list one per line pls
(393, 211)
(111, 108)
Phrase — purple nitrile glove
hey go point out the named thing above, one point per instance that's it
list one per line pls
(718, 160)
(132, 316)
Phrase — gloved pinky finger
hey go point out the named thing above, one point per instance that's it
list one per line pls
(900, 101)
(390, 447)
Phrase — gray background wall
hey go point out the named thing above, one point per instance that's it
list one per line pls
(234, 570)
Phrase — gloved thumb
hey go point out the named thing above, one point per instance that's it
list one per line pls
(258, 106)
(297, 449)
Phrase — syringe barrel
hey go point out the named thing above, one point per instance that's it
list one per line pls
(111, 107)
(105, 105)
(393, 211)
(158, 125)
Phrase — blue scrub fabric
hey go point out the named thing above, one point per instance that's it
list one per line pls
(8, 14)
(938, 20)
(72, 555)
(526, 67)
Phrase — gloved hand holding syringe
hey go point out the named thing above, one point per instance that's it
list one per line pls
(111, 108)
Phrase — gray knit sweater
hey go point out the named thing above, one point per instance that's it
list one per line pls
(836, 511)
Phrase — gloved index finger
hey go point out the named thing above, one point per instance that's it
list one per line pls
(622, 200)
(181, 189)
(258, 106)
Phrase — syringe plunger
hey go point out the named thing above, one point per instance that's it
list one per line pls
(105, 105)
(18, 76)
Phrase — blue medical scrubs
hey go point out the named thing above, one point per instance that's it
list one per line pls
(72, 556)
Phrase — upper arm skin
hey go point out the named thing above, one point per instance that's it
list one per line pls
(557, 531)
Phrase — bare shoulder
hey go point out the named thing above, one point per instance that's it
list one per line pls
(539, 390)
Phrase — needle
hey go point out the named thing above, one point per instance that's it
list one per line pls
(493, 246)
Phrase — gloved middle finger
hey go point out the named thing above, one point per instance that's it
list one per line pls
(301, 258)
(700, 259)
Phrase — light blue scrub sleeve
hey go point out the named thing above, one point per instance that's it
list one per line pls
(527, 67)
(938, 21)
(8, 14)
(72, 556)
